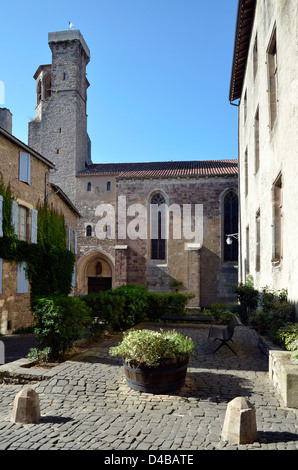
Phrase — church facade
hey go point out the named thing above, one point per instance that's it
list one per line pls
(159, 224)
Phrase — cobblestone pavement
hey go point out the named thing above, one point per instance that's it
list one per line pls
(85, 404)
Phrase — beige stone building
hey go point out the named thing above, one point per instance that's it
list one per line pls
(108, 255)
(27, 173)
(265, 81)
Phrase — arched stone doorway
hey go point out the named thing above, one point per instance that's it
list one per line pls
(95, 273)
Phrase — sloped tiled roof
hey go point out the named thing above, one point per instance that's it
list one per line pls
(164, 169)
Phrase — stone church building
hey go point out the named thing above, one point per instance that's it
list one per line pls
(196, 202)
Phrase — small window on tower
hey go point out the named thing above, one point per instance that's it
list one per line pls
(64, 76)
(48, 86)
(108, 186)
(89, 186)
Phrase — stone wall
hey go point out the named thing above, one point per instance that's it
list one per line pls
(15, 307)
(203, 272)
(275, 145)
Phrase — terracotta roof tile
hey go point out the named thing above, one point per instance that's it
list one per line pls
(164, 169)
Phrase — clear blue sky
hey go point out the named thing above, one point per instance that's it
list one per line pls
(159, 73)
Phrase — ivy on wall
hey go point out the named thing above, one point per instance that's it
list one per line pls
(49, 264)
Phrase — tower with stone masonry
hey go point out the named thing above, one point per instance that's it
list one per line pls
(59, 130)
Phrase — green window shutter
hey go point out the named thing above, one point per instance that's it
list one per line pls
(34, 216)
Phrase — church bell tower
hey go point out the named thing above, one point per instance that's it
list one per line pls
(59, 130)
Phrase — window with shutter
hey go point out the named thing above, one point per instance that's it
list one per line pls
(34, 216)
(23, 223)
(25, 167)
(1, 216)
(22, 281)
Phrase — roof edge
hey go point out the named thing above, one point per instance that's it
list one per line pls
(25, 147)
(242, 15)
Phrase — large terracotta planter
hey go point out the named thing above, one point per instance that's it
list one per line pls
(169, 376)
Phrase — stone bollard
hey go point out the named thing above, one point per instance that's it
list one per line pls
(26, 407)
(240, 422)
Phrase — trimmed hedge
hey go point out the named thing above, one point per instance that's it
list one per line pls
(129, 305)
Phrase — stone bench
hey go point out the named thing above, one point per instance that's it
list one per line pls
(284, 376)
(188, 318)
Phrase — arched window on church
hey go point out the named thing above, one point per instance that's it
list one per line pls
(88, 231)
(89, 186)
(157, 221)
(109, 186)
(230, 226)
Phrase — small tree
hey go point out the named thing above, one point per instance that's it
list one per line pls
(59, 322)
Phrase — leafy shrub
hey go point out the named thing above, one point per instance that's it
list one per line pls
(39, 355)
(220, 313)
(151, 347)
(268, 322)
(107, 309)
(59, 322)
(167, 304)
(135, 306)
(248, 298)
(287, 336)
(129, 305)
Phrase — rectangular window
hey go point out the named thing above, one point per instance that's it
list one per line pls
(272, 77)
(25, 167)
(245, 107)
(277, 219)
(246, 172)
(258, 241)
(15, 216)
(255, 57)
(257, 146)
(23, 224)
(22, 280)
(247, 250)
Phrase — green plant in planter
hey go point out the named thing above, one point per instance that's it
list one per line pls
(151, 348)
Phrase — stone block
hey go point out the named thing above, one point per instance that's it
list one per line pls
(26, 408)
(283, 375)
(240, 422)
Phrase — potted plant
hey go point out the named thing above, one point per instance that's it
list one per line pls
(154, 362)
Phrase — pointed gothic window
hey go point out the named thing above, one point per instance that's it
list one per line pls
(231, 225)
(158, 242)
